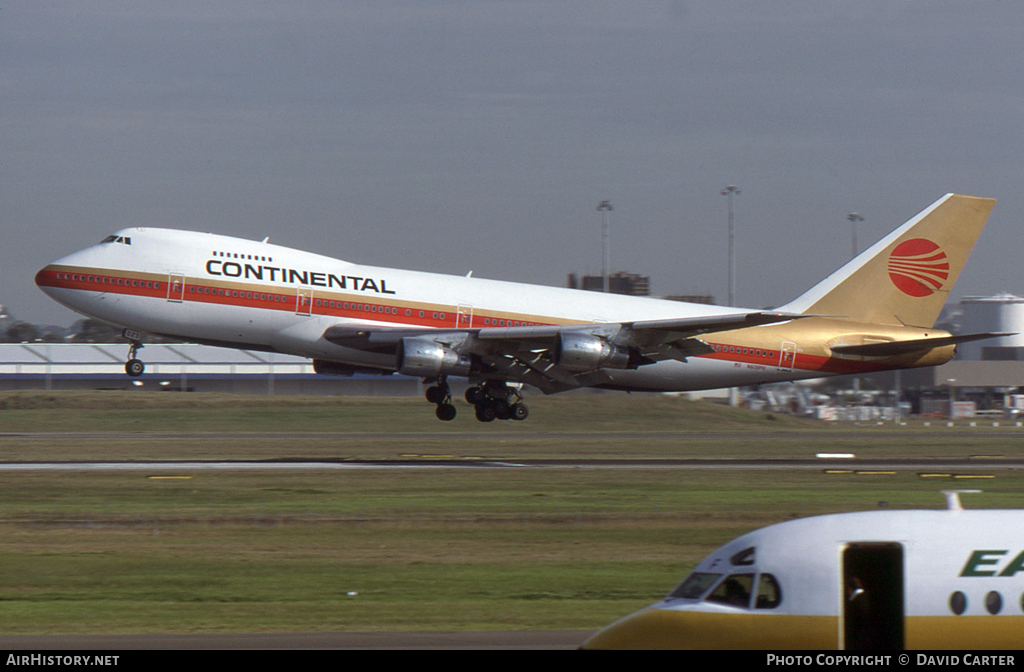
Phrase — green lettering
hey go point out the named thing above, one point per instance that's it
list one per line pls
(1016, 565)
(978, 558)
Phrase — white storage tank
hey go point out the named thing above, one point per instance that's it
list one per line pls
(1000, 313)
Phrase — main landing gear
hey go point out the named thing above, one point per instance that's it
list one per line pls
(134, 366)
(492, 401)
(441, 395)
(497, 401)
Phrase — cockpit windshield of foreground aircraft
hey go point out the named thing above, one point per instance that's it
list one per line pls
(735, 589)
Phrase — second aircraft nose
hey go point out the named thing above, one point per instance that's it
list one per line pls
(656, 628)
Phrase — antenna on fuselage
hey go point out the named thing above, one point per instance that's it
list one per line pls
(953, 499)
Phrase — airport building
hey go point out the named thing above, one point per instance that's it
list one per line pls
(176, 367)
(987, 375)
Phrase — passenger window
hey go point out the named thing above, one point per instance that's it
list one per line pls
(734, 591)
(769, 594)
(993, 602)
(695, 585)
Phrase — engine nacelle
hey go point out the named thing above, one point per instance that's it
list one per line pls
(425, 358)
(584, 352)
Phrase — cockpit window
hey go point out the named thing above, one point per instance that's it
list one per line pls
(769, 593)
(744, 557)
(109, 239)
(695, 585)
(734, 591)
(126, 240)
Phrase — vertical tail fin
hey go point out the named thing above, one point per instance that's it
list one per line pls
(905, 278)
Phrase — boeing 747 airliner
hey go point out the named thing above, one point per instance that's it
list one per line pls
(875, 313)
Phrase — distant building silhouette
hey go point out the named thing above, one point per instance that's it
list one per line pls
(618, 283)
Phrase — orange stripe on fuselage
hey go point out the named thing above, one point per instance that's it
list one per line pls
(369, 307)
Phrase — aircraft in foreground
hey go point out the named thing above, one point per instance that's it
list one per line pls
(875, 313)
(950, 579)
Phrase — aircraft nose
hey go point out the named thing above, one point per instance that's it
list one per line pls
(56, 274)
(46, 277)
(659, 628)
(648, 629)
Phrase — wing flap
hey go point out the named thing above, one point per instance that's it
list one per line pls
(382, 339)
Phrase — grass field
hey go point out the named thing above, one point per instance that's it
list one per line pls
(437, 549)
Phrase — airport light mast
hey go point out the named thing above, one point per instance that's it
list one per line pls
(853, 218)
(604, 207)
(729, 192)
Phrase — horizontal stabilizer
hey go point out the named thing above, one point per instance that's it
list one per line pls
(893, 348)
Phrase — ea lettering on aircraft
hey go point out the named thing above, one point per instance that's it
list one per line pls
(234, 269)
(990, 563)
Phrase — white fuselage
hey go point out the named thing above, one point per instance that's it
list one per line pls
(895, 579)
(228, 291)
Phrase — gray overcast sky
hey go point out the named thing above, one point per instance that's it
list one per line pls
(471, 135)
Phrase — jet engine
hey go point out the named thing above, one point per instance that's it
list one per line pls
(584, 352)
(425, 358)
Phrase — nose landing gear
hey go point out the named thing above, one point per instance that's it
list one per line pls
(134, 367)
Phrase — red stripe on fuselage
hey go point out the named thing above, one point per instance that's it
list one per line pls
(359, 306)
(354, 306)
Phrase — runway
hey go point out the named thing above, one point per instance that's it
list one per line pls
(496, 640)
(979, 462)
(871, 432)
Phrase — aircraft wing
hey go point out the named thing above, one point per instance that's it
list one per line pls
(536, 355)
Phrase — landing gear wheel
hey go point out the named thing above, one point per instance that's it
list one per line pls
(485, 413)
(474, 395)
(441, 395)
(436, 394)
(445, 412)
(502, 410)
(520, 412)
(134, 366)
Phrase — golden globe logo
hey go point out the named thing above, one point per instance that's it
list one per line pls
(918, 267)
